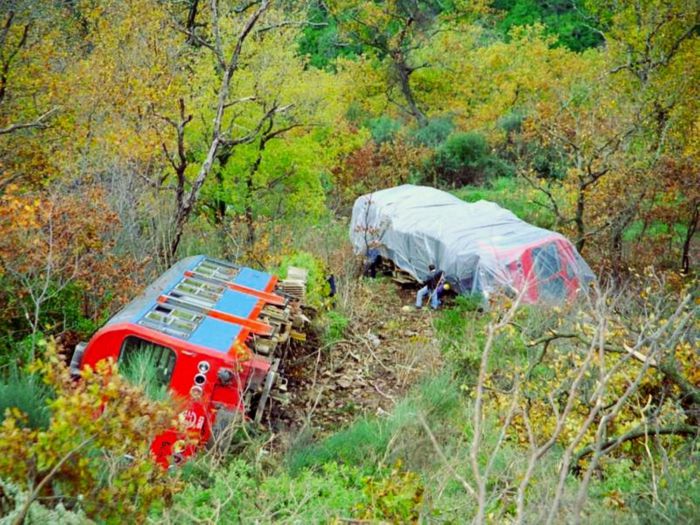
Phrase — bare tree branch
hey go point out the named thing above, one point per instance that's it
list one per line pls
(40, 122)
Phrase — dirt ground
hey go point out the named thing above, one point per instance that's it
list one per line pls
(387, 347)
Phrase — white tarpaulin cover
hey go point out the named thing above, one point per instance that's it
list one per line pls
(480, 246)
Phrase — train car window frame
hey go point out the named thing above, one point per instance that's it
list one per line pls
(165, 361)
(546, 261)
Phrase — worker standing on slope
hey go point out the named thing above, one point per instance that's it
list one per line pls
(372, 259)
(430, 287)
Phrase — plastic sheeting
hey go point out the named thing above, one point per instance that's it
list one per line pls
(480, 246)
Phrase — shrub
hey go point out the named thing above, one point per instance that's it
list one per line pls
(383, 129)
(511, 122)
(336, 324)
(13, 499)
(371, 168)
(317, 288)
(466, 158)
(678, 498)
(396, 497)
(27, 394)
(243, 494)
(95, 450)
(434, 133)
(514, 194)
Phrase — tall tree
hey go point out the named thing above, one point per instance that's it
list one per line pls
(393, 32)
(620, 116)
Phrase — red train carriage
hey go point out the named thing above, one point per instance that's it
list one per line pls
(213, 330)
(481, 247)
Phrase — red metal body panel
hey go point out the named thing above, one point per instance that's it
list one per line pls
(198, 415)
(201, 400)
(523, 270)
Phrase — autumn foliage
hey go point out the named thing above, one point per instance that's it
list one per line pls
(95, 453)
(137, 132)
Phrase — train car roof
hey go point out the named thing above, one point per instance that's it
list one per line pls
(204, 301)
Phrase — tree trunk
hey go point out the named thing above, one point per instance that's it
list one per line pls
(689, 234)
(578, 219)
(249, 219)
(187, 205)
(404, 71)
(192, 22)
(220, 203)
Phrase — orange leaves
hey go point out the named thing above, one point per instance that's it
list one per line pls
(373, 167)
(48, 241)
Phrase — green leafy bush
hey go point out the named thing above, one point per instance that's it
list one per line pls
(396, 497)
(511, 122)
(317, 288)
(514, 194)
(434, 133)
(383, 129)
(95, 450)
(336, 324)
(240, 493)
(466, 158)
(675, 499)
(320, 40)
(563, 18)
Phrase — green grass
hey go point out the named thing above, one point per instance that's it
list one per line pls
(366, 443)
(141, 370)
(513, 194)
(28, 394)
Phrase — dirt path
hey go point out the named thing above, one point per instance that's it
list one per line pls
(387, 347)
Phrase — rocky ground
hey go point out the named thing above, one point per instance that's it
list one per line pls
(386, 348)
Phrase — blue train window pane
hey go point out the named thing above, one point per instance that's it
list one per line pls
(546, 261)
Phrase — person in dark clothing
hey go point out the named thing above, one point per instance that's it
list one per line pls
(430, 287)
(372, 259)
(332, 289)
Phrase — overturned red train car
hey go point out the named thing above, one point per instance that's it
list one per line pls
(213, 330)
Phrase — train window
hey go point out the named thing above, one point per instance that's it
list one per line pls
(546, 261)
(147, 364)
(172, 320)
(219, 270)
(553, 290)
(197, 292)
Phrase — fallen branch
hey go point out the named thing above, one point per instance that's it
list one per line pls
(612, 443)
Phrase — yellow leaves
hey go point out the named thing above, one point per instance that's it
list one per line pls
(111, 418)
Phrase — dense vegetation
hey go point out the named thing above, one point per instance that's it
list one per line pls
(136, 132)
